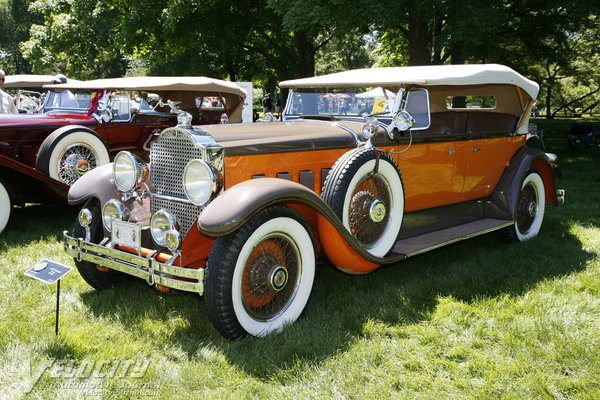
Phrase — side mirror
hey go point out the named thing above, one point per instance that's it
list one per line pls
(411, 111)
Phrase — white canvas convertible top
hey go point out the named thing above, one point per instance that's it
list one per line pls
(429, 75)
(156, 84)
(28, 81)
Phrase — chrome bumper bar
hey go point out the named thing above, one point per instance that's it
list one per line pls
(147, 268)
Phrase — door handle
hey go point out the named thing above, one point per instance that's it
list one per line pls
(475, 149)
(451, 151)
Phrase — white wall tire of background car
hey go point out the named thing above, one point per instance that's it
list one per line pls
(354, 191)
(5, 206)
(274, 251)
(70, 152)
(530, 209)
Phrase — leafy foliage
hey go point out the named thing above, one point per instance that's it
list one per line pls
(554, 42)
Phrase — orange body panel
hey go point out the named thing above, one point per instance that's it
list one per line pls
(340, 253)
(242, 168)
(484, 163)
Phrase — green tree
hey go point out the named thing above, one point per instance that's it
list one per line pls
(15, 20)
(77, 37)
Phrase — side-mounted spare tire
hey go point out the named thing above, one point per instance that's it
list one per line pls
(365, 190)
(70, 152)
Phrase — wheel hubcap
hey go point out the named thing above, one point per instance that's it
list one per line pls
(278, 277)
(377, 211)
(76, 166)
(532, 208)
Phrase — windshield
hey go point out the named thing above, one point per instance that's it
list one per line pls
(65, 100)
(339, 103)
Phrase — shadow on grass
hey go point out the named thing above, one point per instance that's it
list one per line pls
(340, 305)
(36, 222)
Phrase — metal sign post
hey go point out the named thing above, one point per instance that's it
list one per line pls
(50, 272)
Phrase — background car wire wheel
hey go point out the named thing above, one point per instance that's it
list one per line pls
(5, 206)
(89, 271)
(365, 190)
(259, 278)
(530, 209)
(69, 153)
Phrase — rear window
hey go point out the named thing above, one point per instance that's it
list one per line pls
(470, 102)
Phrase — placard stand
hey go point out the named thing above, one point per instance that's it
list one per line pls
(57, 304)
(50, 272)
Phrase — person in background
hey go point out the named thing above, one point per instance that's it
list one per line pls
(7, 104)
(267, 103)
(63, 98)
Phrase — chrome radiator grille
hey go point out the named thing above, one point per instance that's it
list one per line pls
(169, 155)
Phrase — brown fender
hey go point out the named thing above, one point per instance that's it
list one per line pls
(235, 206)
(97, 183)
(503, 201)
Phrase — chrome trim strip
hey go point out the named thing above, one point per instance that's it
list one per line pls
(171, 198)
(149, 269)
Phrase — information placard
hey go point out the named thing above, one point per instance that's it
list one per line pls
(48, 271)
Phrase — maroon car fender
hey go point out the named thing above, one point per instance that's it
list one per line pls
(97, 183)
(503, 201)
(19, 171)
(235, 206)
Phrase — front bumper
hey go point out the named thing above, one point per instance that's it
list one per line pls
(148, 268)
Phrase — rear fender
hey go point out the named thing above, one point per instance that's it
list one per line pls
(503, 201)
(235, 206)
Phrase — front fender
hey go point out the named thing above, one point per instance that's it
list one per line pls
(238, 204)
(97, 183)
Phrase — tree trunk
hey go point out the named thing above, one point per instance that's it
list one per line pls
(306, 55)
(419, 35)
(548, 98)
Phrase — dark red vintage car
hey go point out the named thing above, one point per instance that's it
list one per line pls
(85, 123)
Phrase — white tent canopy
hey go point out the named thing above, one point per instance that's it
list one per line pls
(377, 93)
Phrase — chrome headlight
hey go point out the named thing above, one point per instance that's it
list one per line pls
(113, 209)
(369, 128)
(404, 121)
(200, 182)
(85, 217)
(128, 171)
(161, 224)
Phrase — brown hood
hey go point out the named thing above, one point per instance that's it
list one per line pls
(281, 137)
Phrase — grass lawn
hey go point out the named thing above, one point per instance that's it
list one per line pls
(476, 320)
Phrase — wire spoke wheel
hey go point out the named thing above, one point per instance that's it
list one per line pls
(75, 161)
(270, 279)
(367, 214)
(527, 209)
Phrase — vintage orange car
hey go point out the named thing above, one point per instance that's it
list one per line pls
(369, 167)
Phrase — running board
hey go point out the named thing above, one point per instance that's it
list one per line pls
(428, 241)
